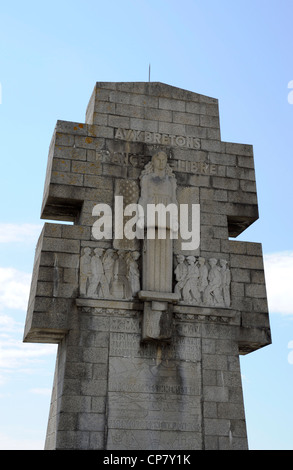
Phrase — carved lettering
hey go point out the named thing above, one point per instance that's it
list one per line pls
(128, 423)
(139, 161)
(158, 138)
(128, 345)
(128, 325)
(119, 134)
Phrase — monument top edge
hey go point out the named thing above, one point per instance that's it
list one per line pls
(159, 89)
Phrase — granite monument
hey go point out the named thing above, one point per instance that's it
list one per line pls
(149, 328)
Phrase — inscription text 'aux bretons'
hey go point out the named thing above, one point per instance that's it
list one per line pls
(132, 135)
(156, 138)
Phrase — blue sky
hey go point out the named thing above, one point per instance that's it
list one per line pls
(51, 55)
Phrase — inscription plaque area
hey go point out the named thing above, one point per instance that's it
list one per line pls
(149, 334)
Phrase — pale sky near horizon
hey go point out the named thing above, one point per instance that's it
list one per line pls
(51, 56)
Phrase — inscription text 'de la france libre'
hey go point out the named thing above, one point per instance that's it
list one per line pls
(139, 160)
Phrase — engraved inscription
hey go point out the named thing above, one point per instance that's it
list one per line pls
(152, 424)
(128, 345)
(131, 135)
(156, 440)
(137, 160)
(129, 325)
(188, 329)
(138, 375)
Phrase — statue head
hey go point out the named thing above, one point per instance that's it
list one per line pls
(99, 251)
(135, 255)
(158, 164)
(223, 263)
(159, 161)
(180, 258)
(213, 262)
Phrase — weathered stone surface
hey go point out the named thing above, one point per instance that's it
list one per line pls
(145, 362)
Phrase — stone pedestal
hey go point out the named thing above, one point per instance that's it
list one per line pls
(157, 324)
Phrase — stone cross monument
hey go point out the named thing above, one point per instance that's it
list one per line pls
(149, 328)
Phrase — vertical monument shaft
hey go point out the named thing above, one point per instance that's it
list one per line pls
(149, 330)
(158, 188)
(158, 274)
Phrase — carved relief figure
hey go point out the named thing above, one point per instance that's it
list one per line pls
(85, 271)
(133, 275)
(213, 291)
(226, 280)
(180, 275)
(203, 283)
(97, 285)
(108, 263)
(191, 288)
(203, 276)
(120, 287)
(109, 274)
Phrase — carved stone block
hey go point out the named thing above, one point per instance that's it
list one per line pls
(157, 321)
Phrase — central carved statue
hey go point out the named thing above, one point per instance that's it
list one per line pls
(158, 186)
